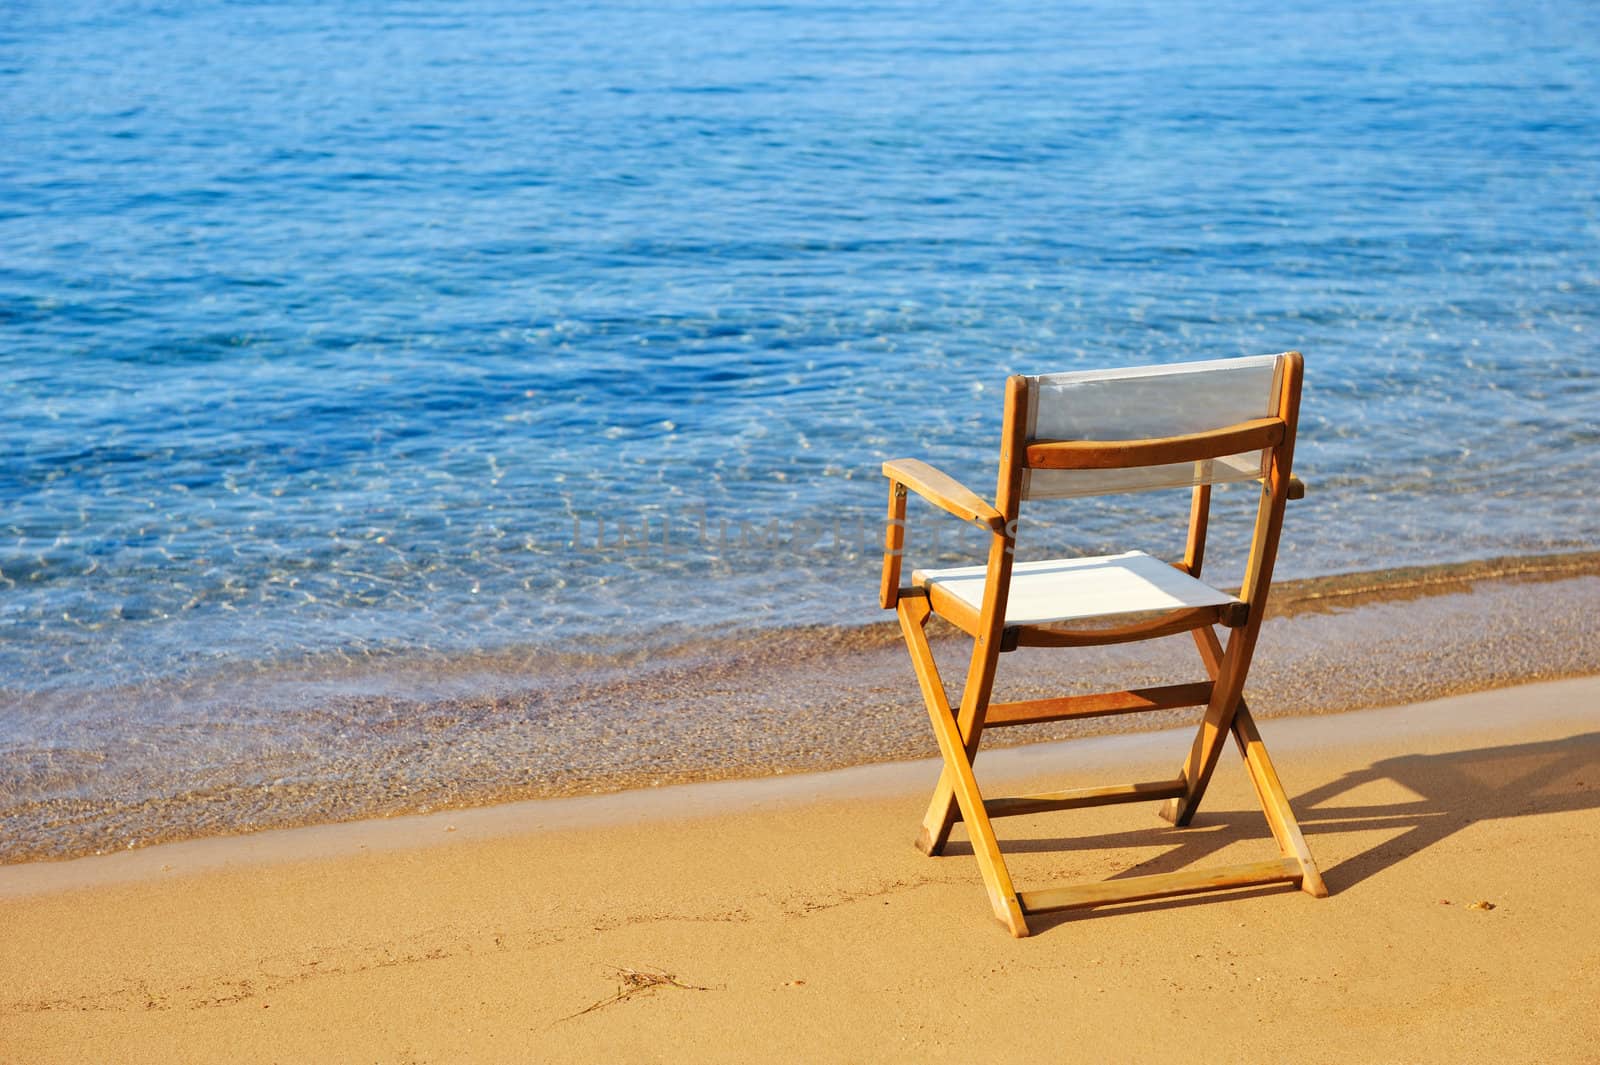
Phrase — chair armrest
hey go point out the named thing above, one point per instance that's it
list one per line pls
(943, 491)
(938, 488)
(1297, 487)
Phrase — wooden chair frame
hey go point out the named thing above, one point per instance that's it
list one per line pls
(960, 729)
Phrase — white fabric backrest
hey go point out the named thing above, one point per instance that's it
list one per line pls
(1146, 402)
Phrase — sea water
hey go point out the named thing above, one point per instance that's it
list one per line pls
(401, 336)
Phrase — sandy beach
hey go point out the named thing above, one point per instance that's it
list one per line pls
(791, 920)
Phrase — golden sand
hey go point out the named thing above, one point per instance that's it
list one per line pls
(791, 920)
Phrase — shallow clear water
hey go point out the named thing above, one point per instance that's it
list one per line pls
(338, 329)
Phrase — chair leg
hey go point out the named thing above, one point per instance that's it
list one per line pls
(940, 818)
(1227, 674)
(1269, 790)
(957, 774)
(1275, 803)
(943, 812)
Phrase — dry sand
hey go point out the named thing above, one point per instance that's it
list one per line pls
(791, 920)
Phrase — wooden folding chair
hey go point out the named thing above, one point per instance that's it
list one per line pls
(1077, 434)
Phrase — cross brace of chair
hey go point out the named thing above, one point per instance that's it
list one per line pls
(1104, 704)
(1162, 885)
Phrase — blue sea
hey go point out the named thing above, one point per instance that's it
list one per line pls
(382, 337)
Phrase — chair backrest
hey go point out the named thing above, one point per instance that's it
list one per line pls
(1151, 403)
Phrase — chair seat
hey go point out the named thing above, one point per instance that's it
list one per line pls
(1074, 589)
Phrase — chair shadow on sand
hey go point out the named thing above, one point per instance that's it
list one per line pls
(1451, 791)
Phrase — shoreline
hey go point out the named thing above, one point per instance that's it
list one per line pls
(755, 707)
(1557, 704)
(1456, 838)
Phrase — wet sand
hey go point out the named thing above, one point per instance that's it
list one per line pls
(791, 919)
(412, 737)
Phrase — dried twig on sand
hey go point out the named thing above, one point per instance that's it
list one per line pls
(631, 982)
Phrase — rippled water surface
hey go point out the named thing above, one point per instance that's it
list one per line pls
(437, 329)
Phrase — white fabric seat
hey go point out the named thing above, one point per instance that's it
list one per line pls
(1073, 589)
